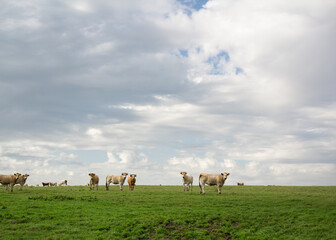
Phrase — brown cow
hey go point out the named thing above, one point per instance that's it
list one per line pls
(240, 184)
(212, 180)
(94, 180)
(45, 184)
(22, 180)
(131, 181)
(9, 180)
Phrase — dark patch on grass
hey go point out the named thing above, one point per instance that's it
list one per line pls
(52, 198)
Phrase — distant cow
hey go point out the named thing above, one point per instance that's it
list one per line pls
(131, 181)
(187, 180)
(45, 184)
(9, 180)
(22, 180)
(212, 180)
(63, 182)
(240, 184)
(116, 180)
(94, 180)
(53, 184)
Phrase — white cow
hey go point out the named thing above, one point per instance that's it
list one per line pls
(22, 180)
(63, 182)
(116, 180)
(212, 180)
(9, 180)
(187, 179)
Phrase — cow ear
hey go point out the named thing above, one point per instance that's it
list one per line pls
(180, 172)
(228, 174)
(222, 174)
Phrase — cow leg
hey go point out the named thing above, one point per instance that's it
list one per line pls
(219, 189)
(107, 186)
(201, 188)
(12, 185)
(97, 187)
(21, 185)
(7, 187)
(121, 187)
(191, 187)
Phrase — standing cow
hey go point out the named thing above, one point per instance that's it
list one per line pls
(116, 180)
(22, 180)
(45, 184)
(212, 180)
(9, 180)
(131, 181)
(94, 180)
(240, 184)
(187, 180)
(63, 182)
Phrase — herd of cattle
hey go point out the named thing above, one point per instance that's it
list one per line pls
(187, 181)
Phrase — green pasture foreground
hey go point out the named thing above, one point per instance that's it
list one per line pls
(166, 212)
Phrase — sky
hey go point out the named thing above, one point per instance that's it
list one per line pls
(159, 87)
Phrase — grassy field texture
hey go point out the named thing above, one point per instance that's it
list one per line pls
(157, 212)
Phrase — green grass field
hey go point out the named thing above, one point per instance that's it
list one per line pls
(158, 212)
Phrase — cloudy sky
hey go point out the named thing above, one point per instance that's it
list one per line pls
(159, 87)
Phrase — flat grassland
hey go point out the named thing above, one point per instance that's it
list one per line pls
(167, 212)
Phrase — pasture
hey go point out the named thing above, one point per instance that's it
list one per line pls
(158, 212)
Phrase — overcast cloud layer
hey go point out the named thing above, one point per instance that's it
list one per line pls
(159, 87)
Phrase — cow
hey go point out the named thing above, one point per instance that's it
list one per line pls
(212, 180)
(53, 184)
(187, 180)
(240, 184)
(63, 182)
(22, 180)
(94, 180)
(131, 181)
(116, 180)
(45, 184)
(9, 180)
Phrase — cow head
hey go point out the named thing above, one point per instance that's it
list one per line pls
(183, 173)
(17, 175)
(92, 174)
(124, 174)
(225, 175)
(133, 175)
(25, 176)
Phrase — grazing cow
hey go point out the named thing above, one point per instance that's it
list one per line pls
(22, 180)
(94, 180)
(131, 181)
(53, 184)
(116, 180)
(9, 180)
(187, 180)
(45, 184)
(240, 184)
(212, 180)
(37, 185)
(63, 182)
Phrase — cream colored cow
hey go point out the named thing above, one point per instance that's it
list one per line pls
(187, 179)
(116, 180)
(94, 180)
(9, 180)
(63, 182)
(22, 180)
(212, 180)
